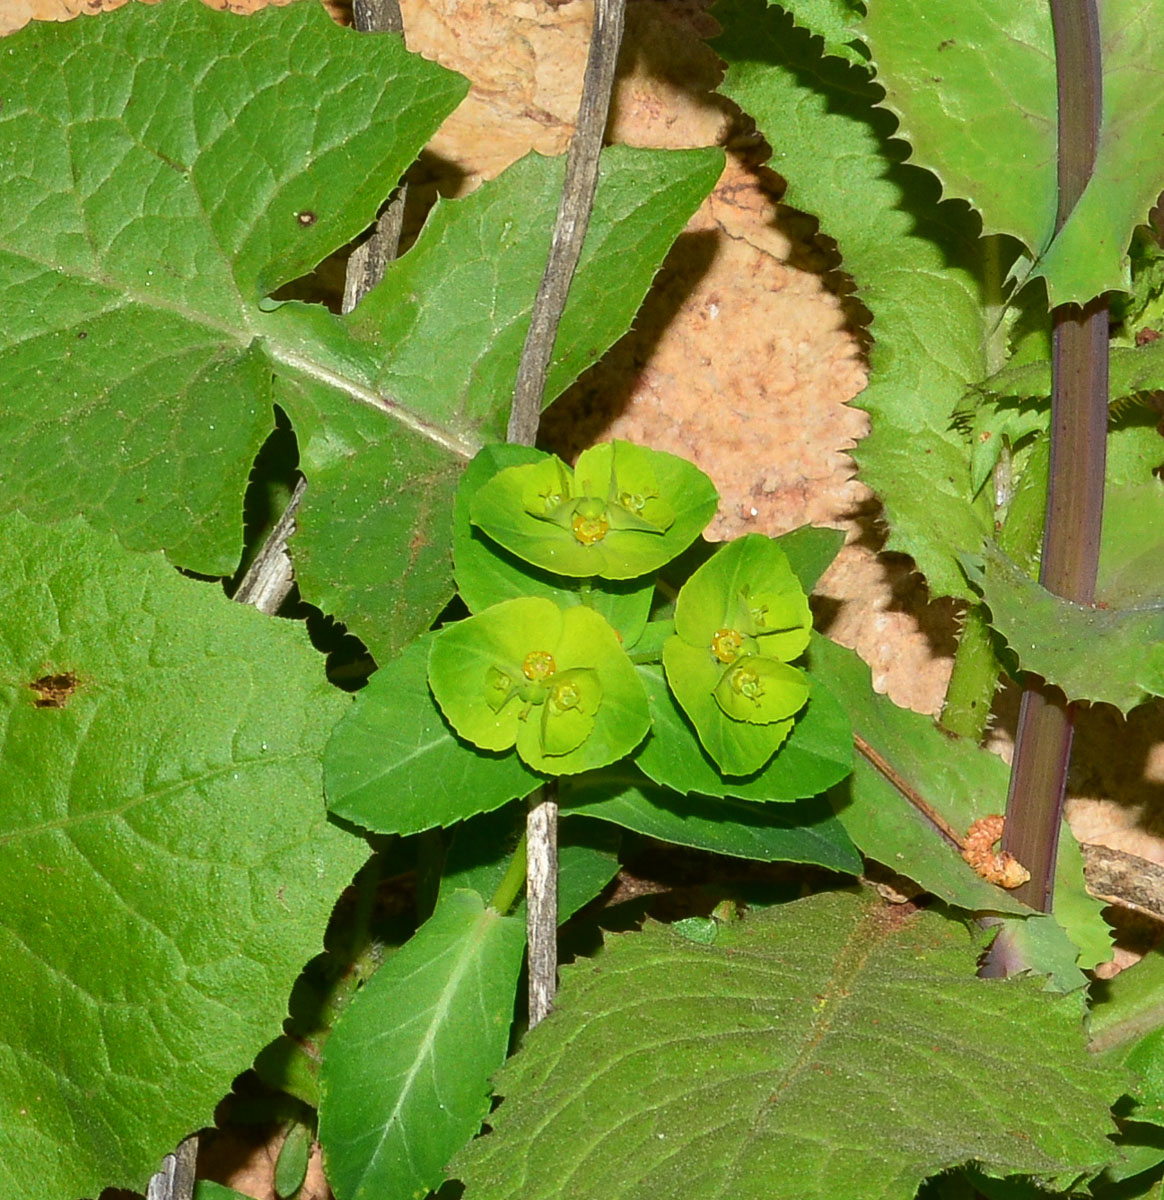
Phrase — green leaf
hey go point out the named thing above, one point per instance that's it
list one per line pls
(206, 1189)
(1114, 656)
(825, 1048)
(624, 511)
(405, 1075)
(486, 574)
(555, 682)
(291, 1166)
(957, 779)
(160, 778)
(1132, 371)
(1127, 1028)
(818, 753)
(836, 21)
(974, 86)
(804, 831)
(810, 552)
(172, 168)
(393, 764)
(146, 211)
(918, 266)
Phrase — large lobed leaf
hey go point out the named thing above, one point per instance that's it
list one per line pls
(172, 167)
(165, 864)
(829, 1048)
(974, 86)
(915, 264)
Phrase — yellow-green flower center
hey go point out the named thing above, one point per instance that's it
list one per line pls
(565, 696)
(538, 665)
(726, 644)
(747, 683)
(590, 529)
(632, 501)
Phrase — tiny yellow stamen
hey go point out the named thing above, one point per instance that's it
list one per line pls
(538, 665)
(747, 683)
(589, 530)
(725, 645)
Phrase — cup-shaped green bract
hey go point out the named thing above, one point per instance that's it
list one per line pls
(553, 682)
(738, 620)
(623, 511)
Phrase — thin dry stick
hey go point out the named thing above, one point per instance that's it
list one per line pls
(529, 390)
(370, 259)
(175, 1181)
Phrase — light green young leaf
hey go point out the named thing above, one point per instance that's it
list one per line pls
(738, 619)
(486, 574)
(417, 1045)
(803, 831)
(974, 86)
(553, 681)
(393, 764)
(932, 286)
(817, 754)
(172, 167)
(623, 511)
(1113, 656)
(167, 867)
(827, 1048)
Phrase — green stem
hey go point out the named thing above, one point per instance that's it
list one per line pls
(510, 887)
(970, 691)
(1078, 461)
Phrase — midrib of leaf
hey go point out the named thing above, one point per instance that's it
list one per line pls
(470, 952)
(147, 796)
(244, 333)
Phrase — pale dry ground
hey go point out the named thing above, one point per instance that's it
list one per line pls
(744, 358)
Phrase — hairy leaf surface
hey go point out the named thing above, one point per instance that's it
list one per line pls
(830, 1047)
(166, 864)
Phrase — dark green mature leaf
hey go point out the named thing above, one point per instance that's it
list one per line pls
(417, 1046)
(974, 86)
(915, 264)
(166, 864)
(836, 21)
(482, 848)
(828, 1048)
(148, 214)
(1111, 655)
(393, 764)
(804, 831)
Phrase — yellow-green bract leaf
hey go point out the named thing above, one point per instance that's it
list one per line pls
(487, 574)
(166, 866)
(624, 511)
(736, 619)
(827, 1049)
(974, 86)
(393, 764)
(554, 682)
